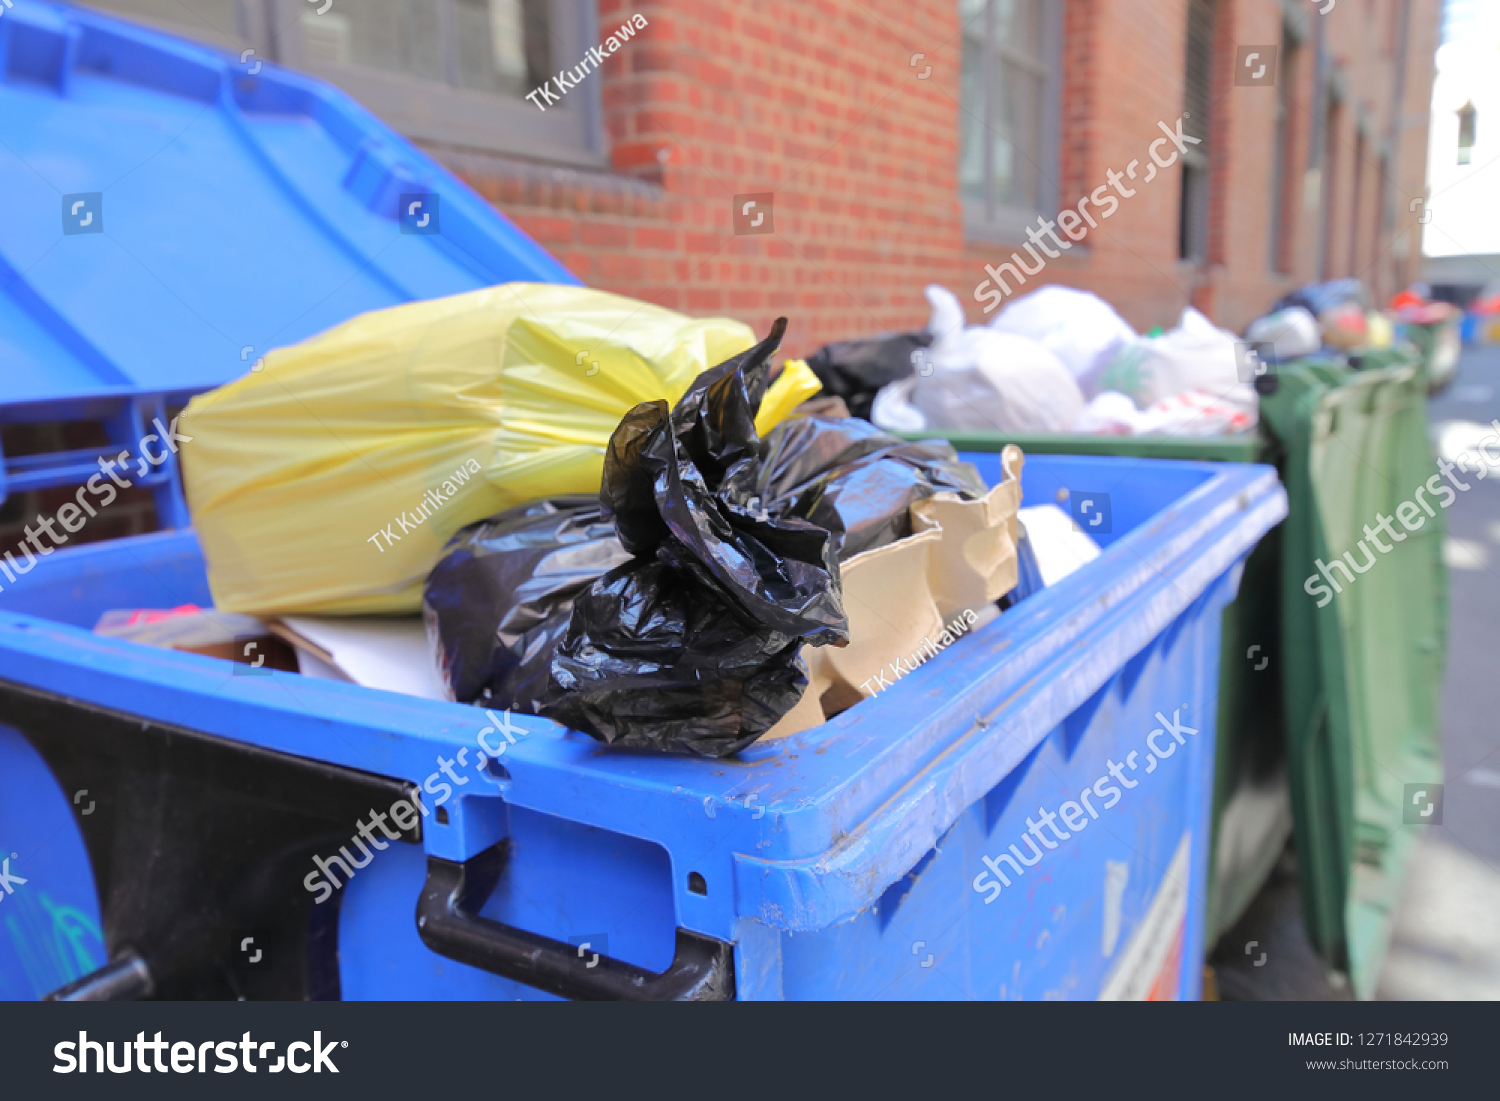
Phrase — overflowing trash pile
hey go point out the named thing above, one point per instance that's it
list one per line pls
(615, 517)
(571, 504)
(670, 611)
(1060, 360)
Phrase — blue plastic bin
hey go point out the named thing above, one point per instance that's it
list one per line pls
(848, 861)
(173, 213)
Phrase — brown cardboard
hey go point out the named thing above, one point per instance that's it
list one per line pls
(205, 631)
(904, 599)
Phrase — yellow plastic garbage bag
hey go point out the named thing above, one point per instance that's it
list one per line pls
(792, 387)
(329, 480)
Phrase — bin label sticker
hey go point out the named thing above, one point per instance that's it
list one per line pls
(1148, 967)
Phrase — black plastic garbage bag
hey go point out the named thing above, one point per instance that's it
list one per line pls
(655, 658)
(499, 601)
(693, 645)
(855, 370)
(684, 485)
(669, 614)
(855, 480)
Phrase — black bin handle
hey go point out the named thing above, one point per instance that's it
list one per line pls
(449, 923)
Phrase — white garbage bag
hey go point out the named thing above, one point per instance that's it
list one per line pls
(1110, 413)
(892, 408)
(1190, 413)
(1196, 355)
(1294, 332)
(1080, 328)
(977, 379)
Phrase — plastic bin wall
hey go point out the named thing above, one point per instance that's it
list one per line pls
(847, 861)
(1252, 799)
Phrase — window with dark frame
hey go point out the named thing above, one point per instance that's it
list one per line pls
(1282, 175)
(1466, 121)
(449, 71)
(495, 46)
(1011, 90)
(1192, 226)
(1332, 126)
(1382, 201)
(1356, 200)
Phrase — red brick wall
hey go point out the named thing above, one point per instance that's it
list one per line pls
(816, 103)
(820, 104)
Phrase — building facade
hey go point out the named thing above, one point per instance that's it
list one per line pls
(884, 145)
(902, 144)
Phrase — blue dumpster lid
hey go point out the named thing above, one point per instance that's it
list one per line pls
(173, 212)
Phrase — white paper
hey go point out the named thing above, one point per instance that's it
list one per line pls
(389, 652)
(1060, 547)
(310, 665)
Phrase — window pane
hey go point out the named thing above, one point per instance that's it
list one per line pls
(1197, 88)
(491, 46)
(1197, 69)
(1005, 60)
(502, 45)
(1018, 24)
(1019, 85)
(395, 36)
(972, 145)
(1016, 136)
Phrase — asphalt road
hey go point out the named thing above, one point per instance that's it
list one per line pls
(1471, 700)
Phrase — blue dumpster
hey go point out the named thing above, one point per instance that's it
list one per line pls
(172, 213)
(194, 829)
(1026, 815)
